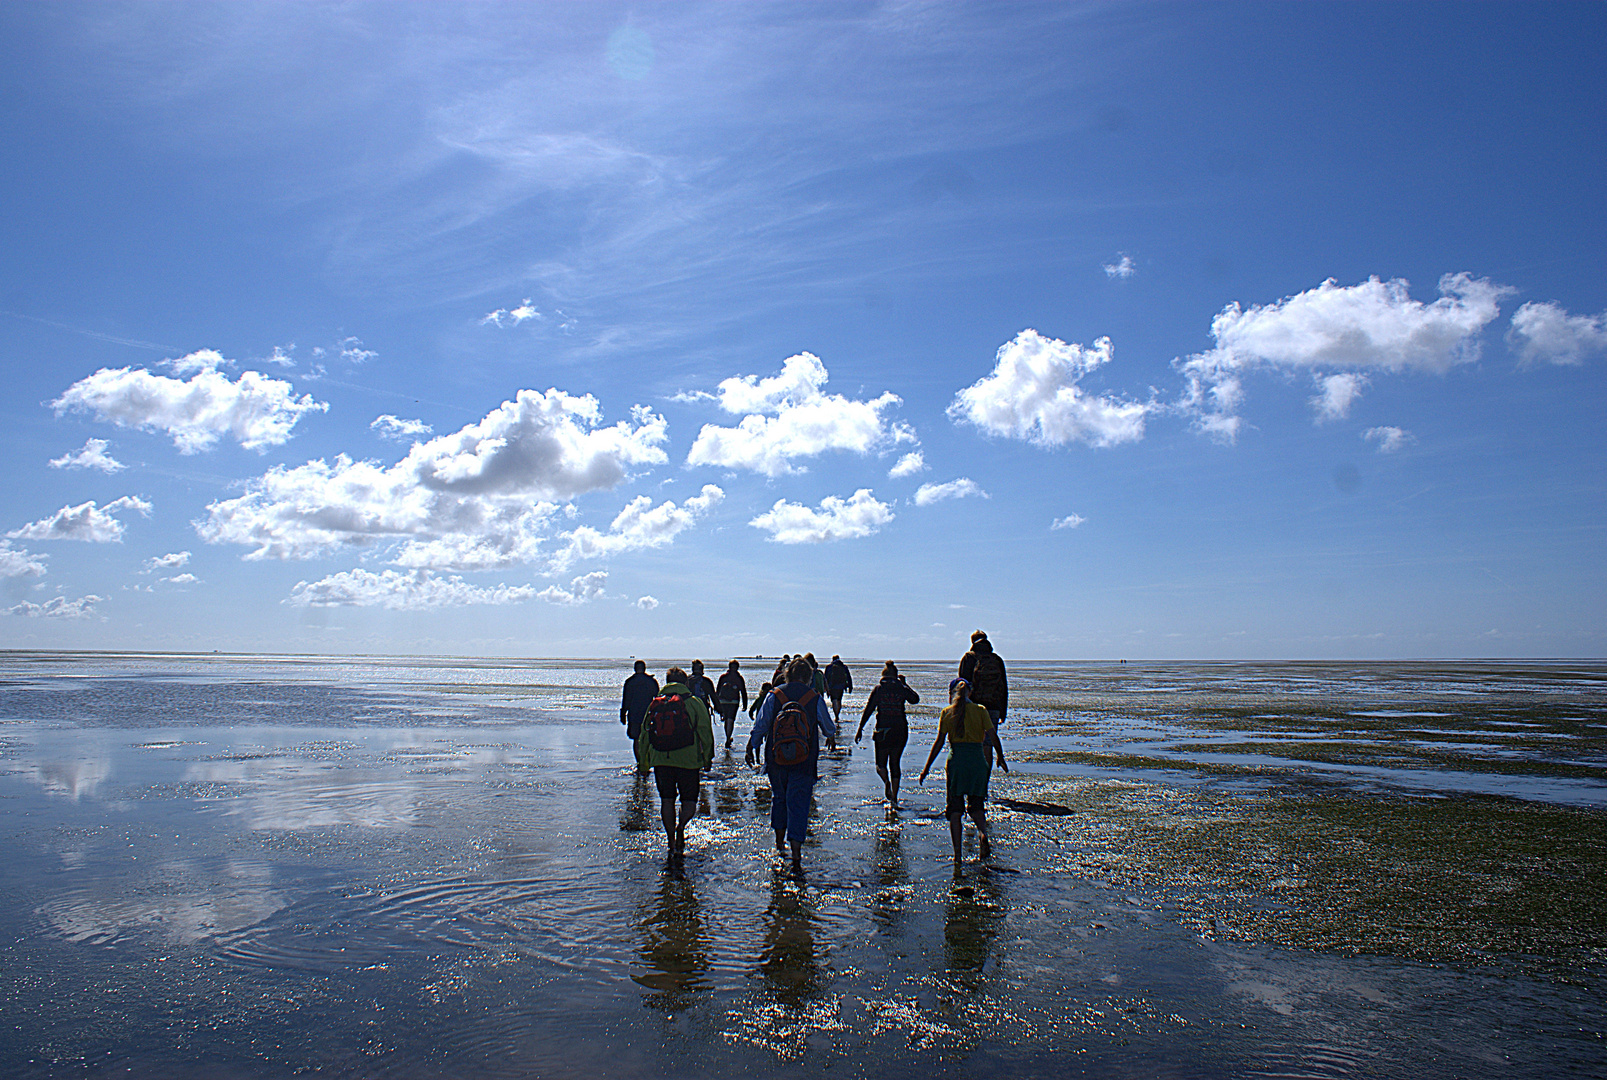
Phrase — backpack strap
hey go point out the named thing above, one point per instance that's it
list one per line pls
(809, 696)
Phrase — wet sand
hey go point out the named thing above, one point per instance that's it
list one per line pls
(269, 868)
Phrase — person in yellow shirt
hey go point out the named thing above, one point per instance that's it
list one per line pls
(973, 743)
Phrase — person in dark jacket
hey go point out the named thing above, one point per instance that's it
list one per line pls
(731, 694)
(702, 686)
(640, 690)
(792, 785)
(839, 681)
(983, 671)
(887, 700)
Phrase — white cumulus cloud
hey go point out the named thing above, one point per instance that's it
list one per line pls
(1389, 439)
(92, 455)
(86, 521)
(908, 465)
(58, 607)
(1033, 394)
(256, 410)
(1070, 521)
(389, 427)
(927, 494)
(352, 351)
(836, 519)
(19, 562)
(647, 603)
(513, 317)
(581, 589)
(1122, 268)
(173, 560)
(182, 579)
(1336, 394)
(790, 416)
(638, 526)
(478, 498)
(396, 590)
(1546, 333)
(1375, 325)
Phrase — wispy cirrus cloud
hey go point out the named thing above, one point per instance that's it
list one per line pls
(512, 316)
(964, 487)
(861, 514)
(789, 416)
(256, 410)
(1033, 394)
(1122, 269)
(85, 522)
(1372, 326)
(173, 560)
(1388, 439)
(1070, 521)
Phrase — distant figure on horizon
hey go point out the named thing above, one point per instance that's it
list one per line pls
(640, 690)
(677, 742)
(839, 680)
(787, 731)
(971, 735)
(983, 669)
(887, 700)
(731, 694)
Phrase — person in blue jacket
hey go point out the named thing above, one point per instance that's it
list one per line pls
(792, 784)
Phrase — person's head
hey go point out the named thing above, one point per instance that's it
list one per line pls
(641, 666)
(889, 670)
(675, 674)
(835, 657)
(734, 666)
(978, 635)
(697, 667)
(765, 688)
(800, 670)
(959, 691)
(809, 656)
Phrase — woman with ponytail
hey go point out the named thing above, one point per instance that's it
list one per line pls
(973, 743)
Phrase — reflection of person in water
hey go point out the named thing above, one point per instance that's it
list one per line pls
(674, 949)
(788, 959)
(972, 741)
(971, 922)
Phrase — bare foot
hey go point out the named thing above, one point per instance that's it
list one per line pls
(987, 848)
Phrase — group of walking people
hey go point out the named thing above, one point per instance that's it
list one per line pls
(672, 730)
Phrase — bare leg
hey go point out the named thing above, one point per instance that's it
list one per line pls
(730, 728)
(797, 860)
(688, 812)
(892, 784)
(980, 816)
(667, 812)
(957, 834)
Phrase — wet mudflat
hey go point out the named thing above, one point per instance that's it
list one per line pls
(265, 867)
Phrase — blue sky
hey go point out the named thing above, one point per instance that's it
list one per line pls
(1145, 331)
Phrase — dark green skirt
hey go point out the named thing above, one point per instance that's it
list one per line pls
(968, 769)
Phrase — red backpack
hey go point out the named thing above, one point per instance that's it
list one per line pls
(669, 725)
(792, 730)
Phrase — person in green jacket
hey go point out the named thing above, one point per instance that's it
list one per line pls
(677, 743)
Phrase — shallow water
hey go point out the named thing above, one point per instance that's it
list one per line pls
(262, 867)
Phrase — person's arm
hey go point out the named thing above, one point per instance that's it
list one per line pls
(909, 692)
(624, 703)
(761, 727)
(1004, 696)
(827, 724)
(937, 744)
(870, 707)
(968, 668)
(998, 748)
(849, 689)
(704, 725)
(742, 684)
